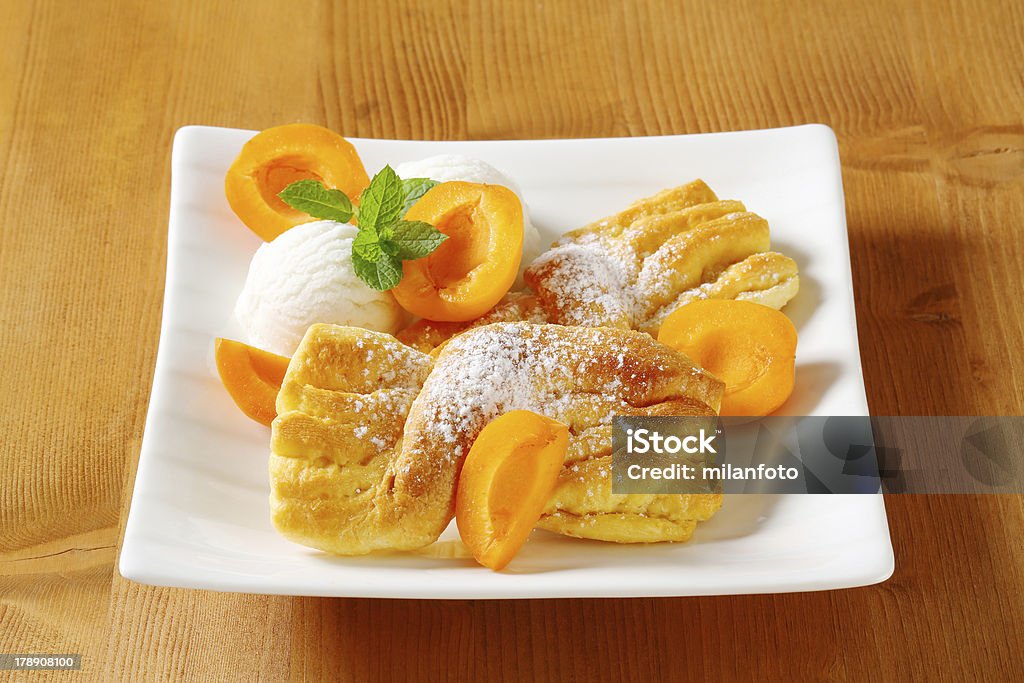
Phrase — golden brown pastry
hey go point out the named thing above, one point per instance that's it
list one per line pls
(632, 276)
(341, 412)
(631, 270)
(370, 433)
(661, 203)
(584, 506)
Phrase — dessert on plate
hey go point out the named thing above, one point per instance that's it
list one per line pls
(633, 269)
(495, 404)
(370, 433)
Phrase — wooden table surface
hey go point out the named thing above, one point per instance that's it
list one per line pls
(927, 99)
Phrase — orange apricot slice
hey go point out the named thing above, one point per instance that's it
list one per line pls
(252, 377)
(506, 482)
(750, 347)
(476, 266)
(277, 157)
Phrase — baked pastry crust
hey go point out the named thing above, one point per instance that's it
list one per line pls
(371, 434)
(371, 431)
(584, 506)
(631, 270)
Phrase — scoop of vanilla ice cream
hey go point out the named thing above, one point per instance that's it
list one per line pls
(447, 167)
(305, 276)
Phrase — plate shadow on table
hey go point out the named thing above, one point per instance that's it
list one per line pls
(922, 326)
(351, 632)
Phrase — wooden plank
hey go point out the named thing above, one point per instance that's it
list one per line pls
(925, 98)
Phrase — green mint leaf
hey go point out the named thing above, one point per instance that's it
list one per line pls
(382, 274)
(310, 196)
(371, 246)
(366, 245)
(381, 202)
(415, 239)
(413, 189)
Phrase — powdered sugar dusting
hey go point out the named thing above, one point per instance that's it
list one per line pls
(583, 379)
(595, 279)
(588, 283)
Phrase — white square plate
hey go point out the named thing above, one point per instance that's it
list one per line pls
(199, 516)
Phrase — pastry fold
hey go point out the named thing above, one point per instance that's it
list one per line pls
(371, 434)
(631, 270)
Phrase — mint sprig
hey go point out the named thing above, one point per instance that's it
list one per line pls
(381, 202)
(413, 189)
(384, 240)
(310, 196)
(415, 239)
(381, 274)
(369, 245)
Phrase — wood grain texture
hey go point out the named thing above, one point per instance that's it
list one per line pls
(925, 97)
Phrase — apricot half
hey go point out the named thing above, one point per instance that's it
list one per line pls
(750, 347)
(506, 481)
(472, 269)
(277, 157)
(252, 377)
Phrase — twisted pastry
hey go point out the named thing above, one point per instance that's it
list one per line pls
(584, 506)
(371, 434)
(631, 270)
